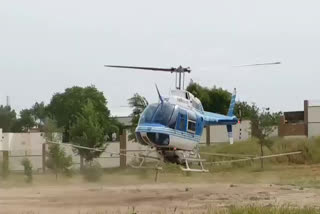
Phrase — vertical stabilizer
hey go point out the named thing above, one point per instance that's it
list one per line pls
(232, 103)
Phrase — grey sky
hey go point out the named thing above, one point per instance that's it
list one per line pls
(47, 46)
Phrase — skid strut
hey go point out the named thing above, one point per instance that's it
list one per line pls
(196, 159)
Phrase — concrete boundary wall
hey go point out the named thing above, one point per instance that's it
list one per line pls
(30, 145)
(218, 134)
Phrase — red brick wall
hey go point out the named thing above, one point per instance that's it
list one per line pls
(293, 129)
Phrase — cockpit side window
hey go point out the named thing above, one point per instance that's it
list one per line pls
(187, 96)
(147, 115)
(182, 123)
(163, 114)
(192, 122)
(173, 119)
(191, 126)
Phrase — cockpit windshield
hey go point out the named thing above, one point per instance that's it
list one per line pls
(157, 113)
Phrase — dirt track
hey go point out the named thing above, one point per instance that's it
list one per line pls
(147, 198)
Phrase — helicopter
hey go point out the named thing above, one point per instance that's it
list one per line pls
(174, 125)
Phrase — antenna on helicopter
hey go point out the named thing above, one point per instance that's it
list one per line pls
(179, 71)
(160, 97)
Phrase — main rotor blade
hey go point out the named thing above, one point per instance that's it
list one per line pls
(142, 68)
(258, 64)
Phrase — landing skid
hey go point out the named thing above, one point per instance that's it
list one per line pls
(143, 158)
(190, 160)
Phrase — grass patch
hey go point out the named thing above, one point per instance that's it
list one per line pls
(229, 210)
(267, 210)
(310, 149)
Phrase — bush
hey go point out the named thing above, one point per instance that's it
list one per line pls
(58, 161)
(4, 169)
(310, 149)
(92, 172)
(26, 163)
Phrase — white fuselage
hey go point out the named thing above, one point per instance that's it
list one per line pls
(181, 130)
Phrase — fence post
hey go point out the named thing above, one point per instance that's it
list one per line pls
(81, 162)
(44, 153)
(5, 167)
(123, 148)
(208, 137)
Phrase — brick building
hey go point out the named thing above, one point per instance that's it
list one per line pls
(304, 123)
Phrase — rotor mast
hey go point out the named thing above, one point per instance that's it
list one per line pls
(181, 71)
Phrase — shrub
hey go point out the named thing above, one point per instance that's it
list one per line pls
(4, 169)
(27, 165)
(310, 149)
(92, 172)
(58, 160)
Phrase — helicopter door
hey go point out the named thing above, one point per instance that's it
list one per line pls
(182, 122)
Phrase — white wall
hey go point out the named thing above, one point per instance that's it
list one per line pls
(314, 114)
(4, 144)
(313, 121)
(313, 130)
(24, 144)
(1, 140)
(219, 134)
(30, 145)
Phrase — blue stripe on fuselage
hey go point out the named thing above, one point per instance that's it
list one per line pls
(157, 128)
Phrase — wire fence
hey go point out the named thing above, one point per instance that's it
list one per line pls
(38, 156)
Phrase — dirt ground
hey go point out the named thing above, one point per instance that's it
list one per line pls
(147, 198)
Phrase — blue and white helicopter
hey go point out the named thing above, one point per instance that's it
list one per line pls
(174, 125)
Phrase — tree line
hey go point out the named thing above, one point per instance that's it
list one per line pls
(80, 113)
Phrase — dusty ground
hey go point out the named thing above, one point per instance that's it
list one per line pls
(164, 198)
(133, 192)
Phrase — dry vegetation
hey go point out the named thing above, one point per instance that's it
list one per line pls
(286, 185)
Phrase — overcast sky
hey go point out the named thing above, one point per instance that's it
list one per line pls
(47, 46)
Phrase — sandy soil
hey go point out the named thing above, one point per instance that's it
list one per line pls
(163, 198)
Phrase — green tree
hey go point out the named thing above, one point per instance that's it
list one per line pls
(26, 120)
(8, 118)
(89, 132)
(51, 131)
(39, 113)
(138, 103)
(262, 124)
(65, 107)
(245, 111)
(114, 126)
(58, 161)
(213, 99)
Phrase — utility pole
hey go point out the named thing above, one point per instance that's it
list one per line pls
(8, 101)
